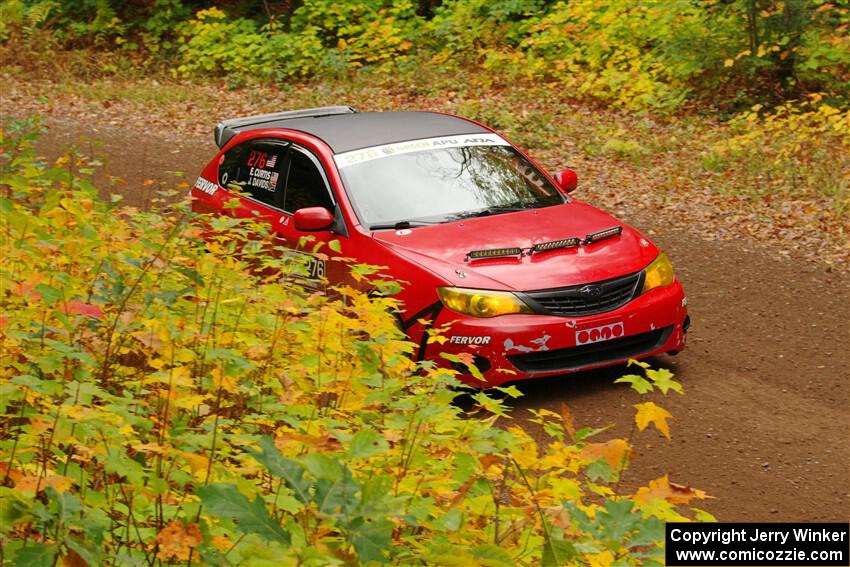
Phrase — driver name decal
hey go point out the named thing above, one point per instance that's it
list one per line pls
(376, 152)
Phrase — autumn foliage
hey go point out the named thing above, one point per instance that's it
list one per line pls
(637, 54)
(166, 400)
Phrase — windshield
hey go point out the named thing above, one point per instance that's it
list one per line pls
(445, 184)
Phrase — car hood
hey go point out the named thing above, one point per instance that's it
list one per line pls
(443, 248)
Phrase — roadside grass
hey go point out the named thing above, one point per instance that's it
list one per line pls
(781, 176)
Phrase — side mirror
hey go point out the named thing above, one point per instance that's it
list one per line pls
(567, 180)
(313, 219)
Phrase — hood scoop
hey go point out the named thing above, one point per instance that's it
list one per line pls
(572, 242)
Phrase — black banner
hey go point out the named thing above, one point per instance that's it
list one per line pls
(762, 544)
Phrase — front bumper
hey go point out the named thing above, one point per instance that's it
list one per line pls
(520, 346)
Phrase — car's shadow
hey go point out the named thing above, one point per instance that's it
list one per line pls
(572, 387)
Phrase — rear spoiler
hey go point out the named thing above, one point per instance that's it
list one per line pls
(226, 129)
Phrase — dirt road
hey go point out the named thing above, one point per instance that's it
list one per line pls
(764, 426)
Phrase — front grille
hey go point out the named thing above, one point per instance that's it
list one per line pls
(569, 301)
(573, 358)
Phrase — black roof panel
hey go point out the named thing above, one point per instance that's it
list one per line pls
(347, 132)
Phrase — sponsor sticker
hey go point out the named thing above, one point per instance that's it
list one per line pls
(470, 340)
(599, 334)
(376, 152)
(206, 186)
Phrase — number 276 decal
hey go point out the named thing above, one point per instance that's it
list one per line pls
(315, 268)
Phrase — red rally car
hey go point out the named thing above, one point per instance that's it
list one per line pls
(533, 281)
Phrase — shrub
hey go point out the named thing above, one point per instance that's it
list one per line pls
(214, 44)
(169, 399)
(795, 150)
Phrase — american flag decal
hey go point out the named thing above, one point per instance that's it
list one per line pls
(271, 161)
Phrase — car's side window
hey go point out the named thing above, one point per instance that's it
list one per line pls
(305, 184)
(256, 168)
(228, 169)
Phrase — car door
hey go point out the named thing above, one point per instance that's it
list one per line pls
(255, 170)
(306, 185)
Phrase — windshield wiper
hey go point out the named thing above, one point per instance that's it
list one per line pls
(490, 211)
(398, 225)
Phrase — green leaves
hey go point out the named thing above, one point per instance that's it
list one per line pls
(660, 378)
(250, 517)
(291, 472)
(371, 539)
(35, 554)
(367, 443)
(638, 383)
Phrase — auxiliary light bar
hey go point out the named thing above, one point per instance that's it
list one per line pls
(494, 253)
(603, 234)
(556, 244)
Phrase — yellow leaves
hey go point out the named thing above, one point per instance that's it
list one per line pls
(222, 380)
(648, 413)
(393, 435)
(663, 489)
(153, 448)
(614, 452)
(190, 402)
(177, 540)
(526, 454)
(441, 339)
(288, 440)
(565, 489)
(198, 463)
(33, 483)
(603, 559)
(560, 456)
(82, 454)
(728, 62)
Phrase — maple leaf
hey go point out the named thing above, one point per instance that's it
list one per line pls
(176, 540)
(663, 380)
(613, 451)
(650, 413)
(76, 307)
(662, 488)
(31, 483)
(637, 383)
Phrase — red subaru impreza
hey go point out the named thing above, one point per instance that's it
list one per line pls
(533, 281)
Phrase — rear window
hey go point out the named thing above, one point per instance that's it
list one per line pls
(255, 168)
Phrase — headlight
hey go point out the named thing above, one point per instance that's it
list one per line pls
(482, 303)
(659, 273)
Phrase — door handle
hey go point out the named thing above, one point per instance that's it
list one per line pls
(279, 239)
